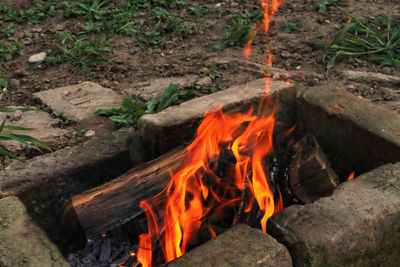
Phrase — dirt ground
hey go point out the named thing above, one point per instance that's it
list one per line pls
(129, 64)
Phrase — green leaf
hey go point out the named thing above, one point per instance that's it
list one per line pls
(5, 109)
(8, 154)
(17, 128)
(25, 139)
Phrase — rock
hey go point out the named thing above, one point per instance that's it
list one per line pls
(371, 77)
(79, 102)
(356, 134)
(174, 125)
(41, 124)
(37, 57)
(155, 88)
(205, 81)
(90, 133)
(240, 246)
(386, 70)
(14, 83)
(359, 225)
(22, 242)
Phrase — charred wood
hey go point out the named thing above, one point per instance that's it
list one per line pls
(309, 175)
(112, 204)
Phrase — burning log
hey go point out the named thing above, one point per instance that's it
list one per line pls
(112, 204)
(310, 176)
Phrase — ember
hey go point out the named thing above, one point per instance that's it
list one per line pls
(197, 194)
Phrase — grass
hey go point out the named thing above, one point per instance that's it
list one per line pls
(324, 5)
(8, 52)
(101, 17)
(3, 82)
(238, 30)
(80, 51)
(377, 40)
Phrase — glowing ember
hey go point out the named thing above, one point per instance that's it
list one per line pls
(351, 176)
(197, 194)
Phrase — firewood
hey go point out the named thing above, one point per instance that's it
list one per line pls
(310, 176)
(112, 204)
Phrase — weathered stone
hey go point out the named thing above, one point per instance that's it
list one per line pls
(80, 167)
(22, 242)
(371, 77)
(239, 246)
(79, 102)
(37, 57)
(204, 81)
(41, 123)
(355, 134)
(359, 225)
(155, 88)
(174, 125)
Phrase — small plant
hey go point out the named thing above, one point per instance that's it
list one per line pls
(21, 138)
(213, 73)
(9, 31)
(8, 52)
(238, 32)
(131, 111)
(377, 40)
(35, 14)
(79, 51)
(290, 27)
(323, 5)
(154, 37)
(3, 82)
(97, 10)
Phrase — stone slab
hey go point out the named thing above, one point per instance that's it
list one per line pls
(240, 246)
(174, 125)
(371, 77)
(356, 134)
(155, 88)
(79, 102)
(78, 166)
(41, 123)
(22, 242)
(359, 225)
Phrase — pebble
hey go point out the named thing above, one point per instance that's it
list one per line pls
(387, 70)
(204, 81)
(90, 133)
(37, 57)
(14, 83)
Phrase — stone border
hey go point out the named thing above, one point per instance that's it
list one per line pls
(73, 169)
(359, 225)
(356, 134)
(240, 245)
(174, 125)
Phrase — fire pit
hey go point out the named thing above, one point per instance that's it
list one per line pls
(352, 140)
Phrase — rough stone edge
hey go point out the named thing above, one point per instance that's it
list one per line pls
(358, 123)
(87, 162)
(55, 253)
(191, 258)
(371, 77)
(386, 246)
(177, 124)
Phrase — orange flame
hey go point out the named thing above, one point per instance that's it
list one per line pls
(190, 201)
(196, 193)
(269, 7)
(351, 176)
